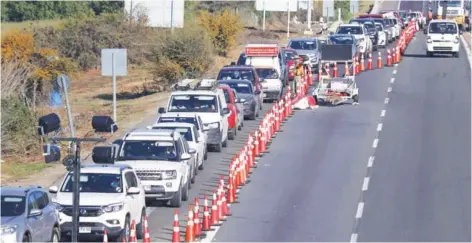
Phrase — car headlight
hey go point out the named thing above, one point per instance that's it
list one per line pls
(116, 207)
(214, 125)
(9, 229)
(169, 175)
(58, 206)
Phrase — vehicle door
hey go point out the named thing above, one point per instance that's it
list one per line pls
(200, 129)
(224, 118)
(199, 142)
(36, 224)
(49, 213)
(239, 106)
(131, 200)
(185, 149)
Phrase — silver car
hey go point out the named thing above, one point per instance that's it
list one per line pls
(28, 215)
(308, 46)
(247, 96)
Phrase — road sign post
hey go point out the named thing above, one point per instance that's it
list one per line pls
(64, 82)
(114, 63)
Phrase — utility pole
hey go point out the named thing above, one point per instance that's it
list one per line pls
(263, 14)
(309, 14)
(172, 16)
(288, 19)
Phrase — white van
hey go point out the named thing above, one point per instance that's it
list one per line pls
(442, 37)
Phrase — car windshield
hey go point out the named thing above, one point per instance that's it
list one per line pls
(184, 131)
(395, 21)
(341, 40)
(367, 23)
(403, 15)
(148, 150)
(95, 183)
(302, 45)
(241, 88)
(193, 103)
(352, 30)
(442, 28)
(379, 27)
(267, 73)
(451, 3)
(13, 206)
(236, 74)
(225, 92)
(190, 120)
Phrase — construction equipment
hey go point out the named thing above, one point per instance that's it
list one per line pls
(336, 90)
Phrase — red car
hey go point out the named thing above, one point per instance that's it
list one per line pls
(234, 121)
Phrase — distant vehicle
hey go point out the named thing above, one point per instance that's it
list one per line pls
(308, 46)
(443, 37)
(243, 72)
(378, 18)
(371, 30)
(360, 33)
(382, 41)
(289, 57)
(111, 197)
(28, 215)
(234, 118)
(247, 97)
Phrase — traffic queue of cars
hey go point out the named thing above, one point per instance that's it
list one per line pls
(162, 161)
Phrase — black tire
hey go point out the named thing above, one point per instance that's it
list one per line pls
(201, 167)
(185, 191)
(225, 143)
(140, 226)
(257, 114)
(125, 232)
(355, 98)
(429, 54)
(194, 176)
(205, 156)
(56, 235)
(252, 117)
(456, 55)
(260, 107)
(26, 238)
(217, 147)
(176, 200)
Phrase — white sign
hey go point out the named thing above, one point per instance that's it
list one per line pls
(114, 62)
(303, 4)
(277, 5)
(160, 13)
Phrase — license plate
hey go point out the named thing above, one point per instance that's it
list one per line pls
(85, 230)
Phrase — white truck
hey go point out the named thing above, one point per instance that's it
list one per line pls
(111, 197)
(442, 37)
(206, 100)
(264, 58)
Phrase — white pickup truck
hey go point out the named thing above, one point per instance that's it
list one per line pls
(264, 58)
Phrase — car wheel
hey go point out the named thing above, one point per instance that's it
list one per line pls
(257, 114)
(140, 226)
(355, 98)
(126, 231)
(194, 176)
(201, 167)
(429, 54)
(235, 132)
(205, 156)
(456, 54)
(185, 192)
(260, 107)
(176, 200)
(26, 238)
(56, 235)
(225, 143)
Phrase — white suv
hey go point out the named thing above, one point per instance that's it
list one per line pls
(442, 37)
(191, 118)
(360, 33)
(111, 197)
(191, 135)
(163, 161)
(209, 102)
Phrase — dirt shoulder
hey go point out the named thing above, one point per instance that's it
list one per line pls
(467, 38)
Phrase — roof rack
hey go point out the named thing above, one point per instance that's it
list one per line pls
(183, 85)
(207, 84)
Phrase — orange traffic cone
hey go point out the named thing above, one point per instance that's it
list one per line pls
(362, 63)
(105, 236)
(147, 237)
(206, 216)
(132, 234)
(176, 228)
(231, 194)
(394, 56)
(379, 61)
(196, 219)
(190, 232)
(369, 65)
(389, 58)
(335, 70)
(358, 66)
(346, 69)
(215, 221)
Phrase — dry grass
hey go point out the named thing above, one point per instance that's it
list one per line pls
(28, 25)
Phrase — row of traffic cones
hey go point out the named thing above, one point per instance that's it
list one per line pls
(132, 235)
(241, 167)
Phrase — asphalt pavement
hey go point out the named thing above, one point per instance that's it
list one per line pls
(410, 137)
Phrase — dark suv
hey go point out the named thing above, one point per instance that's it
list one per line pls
(242, 72)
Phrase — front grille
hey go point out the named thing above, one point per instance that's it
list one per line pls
(84, 211)
(442, 48)
(149, 175)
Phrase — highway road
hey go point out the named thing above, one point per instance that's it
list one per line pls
(395, 168)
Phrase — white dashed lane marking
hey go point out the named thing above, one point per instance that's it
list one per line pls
(370, 162)
(392, 80)
(365, 184)
(360, 210)
(386, 100)
(389, 89)
(382, 113)
(375, 143)
(379, 127)
(394, 72)
(353, 238)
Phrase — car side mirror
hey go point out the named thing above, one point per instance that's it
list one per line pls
(133, 191)
(186, 156)
(161, 110)
(103, 155)
(225, 111)
(53, 189)
(257, 92)
(192, 151)
(35, 213)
